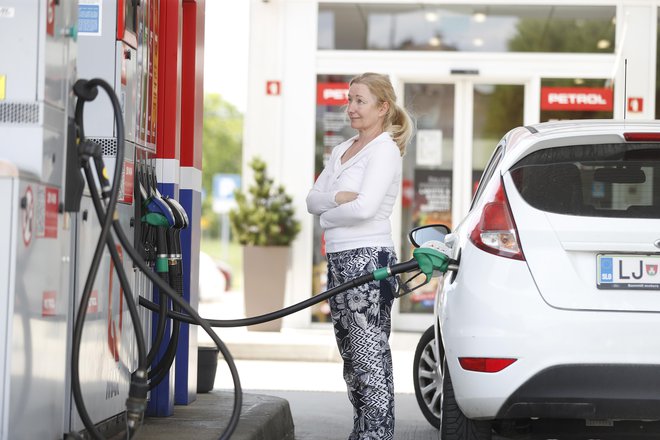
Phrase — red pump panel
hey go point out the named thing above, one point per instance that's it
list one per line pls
(192, 87)
(169, 79)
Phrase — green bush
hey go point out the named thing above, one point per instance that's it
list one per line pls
(267, 216)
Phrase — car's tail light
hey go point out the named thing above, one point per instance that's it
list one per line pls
(485, 365)
(642, 137)
(496, 232)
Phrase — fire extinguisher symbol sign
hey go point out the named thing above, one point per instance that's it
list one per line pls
(50, 18)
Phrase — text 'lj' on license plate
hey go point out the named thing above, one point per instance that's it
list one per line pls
(634, 272)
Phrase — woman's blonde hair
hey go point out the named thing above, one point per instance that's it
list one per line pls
(397, 120)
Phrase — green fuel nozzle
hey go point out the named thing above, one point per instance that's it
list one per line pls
(425, 259)
(430, 259)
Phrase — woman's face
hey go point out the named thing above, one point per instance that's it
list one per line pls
(363, 109)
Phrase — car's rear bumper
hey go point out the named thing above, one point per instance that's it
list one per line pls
(606, 391)
(495, 311)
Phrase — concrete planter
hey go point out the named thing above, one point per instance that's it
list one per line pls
(264, 281)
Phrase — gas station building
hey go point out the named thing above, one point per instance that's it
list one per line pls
(467, 71)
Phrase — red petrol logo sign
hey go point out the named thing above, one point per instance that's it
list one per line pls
(332, 94)
(576, 99)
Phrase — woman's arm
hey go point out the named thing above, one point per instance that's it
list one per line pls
(318, 200)
(383, 166)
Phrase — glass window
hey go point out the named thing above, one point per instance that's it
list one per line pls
(608, 180)
(427, 177)
(487, 174)
(497, 109)
(466, 28)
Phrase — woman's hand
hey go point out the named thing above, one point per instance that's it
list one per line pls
(345, 197)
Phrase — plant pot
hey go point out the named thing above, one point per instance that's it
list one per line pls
(264, 282)
(207, 365)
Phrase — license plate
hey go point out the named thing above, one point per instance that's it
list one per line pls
(632, 272)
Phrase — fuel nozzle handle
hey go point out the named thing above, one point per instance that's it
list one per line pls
(427, 259)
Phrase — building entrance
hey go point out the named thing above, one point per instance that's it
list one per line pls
(459, 123)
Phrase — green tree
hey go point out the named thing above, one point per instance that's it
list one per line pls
(265, 215)
(222, 150)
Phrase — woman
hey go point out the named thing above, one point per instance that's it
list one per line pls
(354, 196)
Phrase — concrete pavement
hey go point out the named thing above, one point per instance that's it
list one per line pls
(311, 363)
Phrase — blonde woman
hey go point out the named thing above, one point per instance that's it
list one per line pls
(354, 196)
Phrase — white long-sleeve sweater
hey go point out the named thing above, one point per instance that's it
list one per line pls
(374, 173)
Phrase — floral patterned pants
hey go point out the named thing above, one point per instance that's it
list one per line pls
(362, 320)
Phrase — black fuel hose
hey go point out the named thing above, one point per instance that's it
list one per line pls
(136, 402)
(86, 90)
(395, 269)
(195, 319)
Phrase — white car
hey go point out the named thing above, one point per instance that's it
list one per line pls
(214, 278)
(554, 311)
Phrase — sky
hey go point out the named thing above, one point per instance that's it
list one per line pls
(226, 34)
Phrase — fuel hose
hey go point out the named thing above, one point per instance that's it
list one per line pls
(136, 402)
(378, 274)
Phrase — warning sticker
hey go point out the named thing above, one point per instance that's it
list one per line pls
(3, 86)
(46, 212)
(48, 303)
(93, 304)
(27, 219)
(90, 17)
(127, 183)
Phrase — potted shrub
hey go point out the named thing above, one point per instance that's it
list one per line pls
(264, 223)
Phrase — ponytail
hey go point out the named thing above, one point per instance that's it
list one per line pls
(400, 127)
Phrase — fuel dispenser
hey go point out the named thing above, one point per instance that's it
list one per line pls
(109, 49)
(37, 72)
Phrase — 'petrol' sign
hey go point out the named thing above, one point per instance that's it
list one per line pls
(576, 99)
(332, 94)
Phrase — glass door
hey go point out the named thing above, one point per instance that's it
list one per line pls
(458, 125)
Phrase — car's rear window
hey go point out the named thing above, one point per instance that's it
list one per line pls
(605, 180)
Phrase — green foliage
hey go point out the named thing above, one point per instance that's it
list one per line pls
(267, 217)
(222, 145)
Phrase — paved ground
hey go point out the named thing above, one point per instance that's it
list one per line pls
(292, 377)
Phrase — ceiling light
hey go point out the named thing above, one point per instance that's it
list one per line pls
(578, 81)
(479, 17)
(431, 16)
(478, 42)
(434, 41)
(603, 44)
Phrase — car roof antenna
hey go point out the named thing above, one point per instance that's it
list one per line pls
(625, 85)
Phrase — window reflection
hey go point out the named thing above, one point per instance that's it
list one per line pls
(467, 28)
(497, 109)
